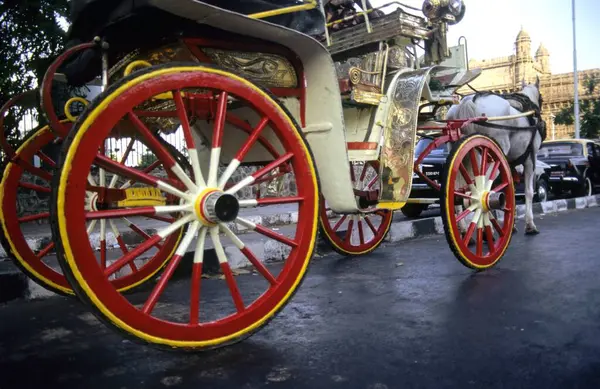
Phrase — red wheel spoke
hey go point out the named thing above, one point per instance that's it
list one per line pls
(479, 242)
(497, 227)
(37, 216)
(339, 223)
(161, 218)
(162, 283)
(469, 233)
(103, 253)
(474, 164)
(46, 158)
(494, 170)
(463, 214)
(465, 174)
(140, 232)
(271, 201)
(500, 187)
(219, 120)
(361, 236)
(36, 171)
(490, 238)
(148, 169)
(274, 235)
(484, 157)
(130, 256)
(352, 176)
(243, 151)
(183, 118)
(153, 143)
(195, 293)
(116, 213)
(371, 226)
(258, 265)
(233, 288)
(349, 231)
(43, 252)
(37, 188)
(259, 173)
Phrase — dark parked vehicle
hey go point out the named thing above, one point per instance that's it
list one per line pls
(574, 165)
(433, 166)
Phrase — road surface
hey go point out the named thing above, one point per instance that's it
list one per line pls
(407, 316)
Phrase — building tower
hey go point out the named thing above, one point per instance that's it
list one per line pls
(542, 57)
(523, 59)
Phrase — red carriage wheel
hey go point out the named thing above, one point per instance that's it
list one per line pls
(22, 178)
(478, 202)
(361, 233)
(176, 314)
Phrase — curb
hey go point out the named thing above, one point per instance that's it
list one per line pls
(16, 285)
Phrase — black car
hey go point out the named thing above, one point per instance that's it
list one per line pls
(574, 166)
(433, 166)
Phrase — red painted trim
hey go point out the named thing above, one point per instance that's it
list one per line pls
(46, 96)
(362, 145)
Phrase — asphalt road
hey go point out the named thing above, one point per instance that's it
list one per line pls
(407, 316)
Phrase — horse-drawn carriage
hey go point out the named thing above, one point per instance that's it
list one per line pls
(258, 94)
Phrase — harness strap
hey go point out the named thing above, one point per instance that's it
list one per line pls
(535, 126)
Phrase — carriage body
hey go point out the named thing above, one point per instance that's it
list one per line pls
(245, 92)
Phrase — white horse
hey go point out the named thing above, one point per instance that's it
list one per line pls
(514, 143)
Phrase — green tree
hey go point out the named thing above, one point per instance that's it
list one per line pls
(33, 34)
(147, 159)
(589, 111)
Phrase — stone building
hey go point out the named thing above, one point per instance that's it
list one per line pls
(505, 74)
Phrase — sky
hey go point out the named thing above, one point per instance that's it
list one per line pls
(491, 27)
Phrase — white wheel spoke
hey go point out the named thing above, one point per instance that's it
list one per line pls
(236, 241)
(165, 232)
(199, 254)
(187, 239)
(240, 185)
(114, 228)
(214, 236)
(215, 155)
(91, 226)
(195, 161)
(187, 181)
(91, 180)
(231, 168)
(248, 203)
(102, 229)
(160, 209)
(174, 191)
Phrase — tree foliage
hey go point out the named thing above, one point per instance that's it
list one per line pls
(32, 38)
(589, 111)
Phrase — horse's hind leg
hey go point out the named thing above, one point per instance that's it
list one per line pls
(530, 228)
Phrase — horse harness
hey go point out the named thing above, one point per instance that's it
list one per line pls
(522, 103)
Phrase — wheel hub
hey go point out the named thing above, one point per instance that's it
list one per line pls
(213, 206)
(493, 200)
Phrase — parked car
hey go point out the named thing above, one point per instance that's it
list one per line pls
(574, 165)
(433, 166)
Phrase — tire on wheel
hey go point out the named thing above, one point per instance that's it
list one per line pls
(176, 314)
(36, 262)
(354, 235)
(470, 199)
